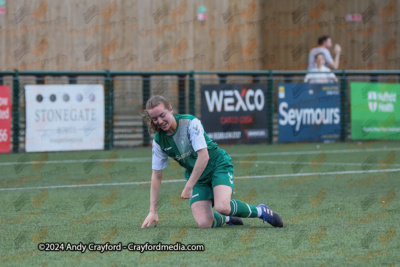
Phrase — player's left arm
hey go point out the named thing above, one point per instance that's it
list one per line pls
(196, 135)
(199, 167)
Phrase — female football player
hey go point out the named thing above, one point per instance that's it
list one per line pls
(209, 171)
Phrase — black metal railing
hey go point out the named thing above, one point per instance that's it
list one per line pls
(186, 86)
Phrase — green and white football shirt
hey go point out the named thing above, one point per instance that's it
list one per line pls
(189, 137)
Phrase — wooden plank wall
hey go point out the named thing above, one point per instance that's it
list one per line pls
(166, 35)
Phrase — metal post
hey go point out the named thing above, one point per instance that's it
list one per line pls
(192, 94)
(181, 94)
(145, 96)
(15, 112)
(270, 106)
(109, 107)
(343, 106)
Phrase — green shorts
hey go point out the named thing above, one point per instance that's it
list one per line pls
(222, 175)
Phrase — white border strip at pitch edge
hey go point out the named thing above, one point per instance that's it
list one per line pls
(232, 155)
(183, 180)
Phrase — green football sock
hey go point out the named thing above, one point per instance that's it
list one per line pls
(219, 220)
(241, 209)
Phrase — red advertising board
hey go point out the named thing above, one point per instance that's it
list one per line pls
(5, 119)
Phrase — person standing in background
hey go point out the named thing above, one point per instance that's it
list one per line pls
(325, 75)
(325, 42)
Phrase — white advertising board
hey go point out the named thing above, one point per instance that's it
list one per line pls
(64, 117)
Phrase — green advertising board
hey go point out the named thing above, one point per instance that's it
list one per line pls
(375, 111)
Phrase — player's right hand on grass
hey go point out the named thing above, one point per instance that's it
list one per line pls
(151, 218)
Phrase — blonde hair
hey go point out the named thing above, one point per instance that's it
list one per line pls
(152, 103)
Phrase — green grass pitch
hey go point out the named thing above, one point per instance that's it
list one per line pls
(340, 205)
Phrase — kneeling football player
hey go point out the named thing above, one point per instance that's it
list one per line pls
(209, 171)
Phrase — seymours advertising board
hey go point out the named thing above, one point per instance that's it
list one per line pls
(235, 113)
(308, 112)
(375, 111)
(64, 117)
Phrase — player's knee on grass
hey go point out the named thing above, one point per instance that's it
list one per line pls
(204, 222)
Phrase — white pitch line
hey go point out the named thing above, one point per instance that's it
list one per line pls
(308, 162)
(75, 161)
(85, 185)
(316, 173)
(318, 152)
(232, 155)
(183, 180)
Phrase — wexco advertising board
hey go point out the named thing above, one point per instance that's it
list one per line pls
(308, 112)
(375, 111)
(64, 117)
(235, 113)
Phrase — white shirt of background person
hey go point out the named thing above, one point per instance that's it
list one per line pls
(325, 42)
(327, 77)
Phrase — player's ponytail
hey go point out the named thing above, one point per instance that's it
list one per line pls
(152, 103)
